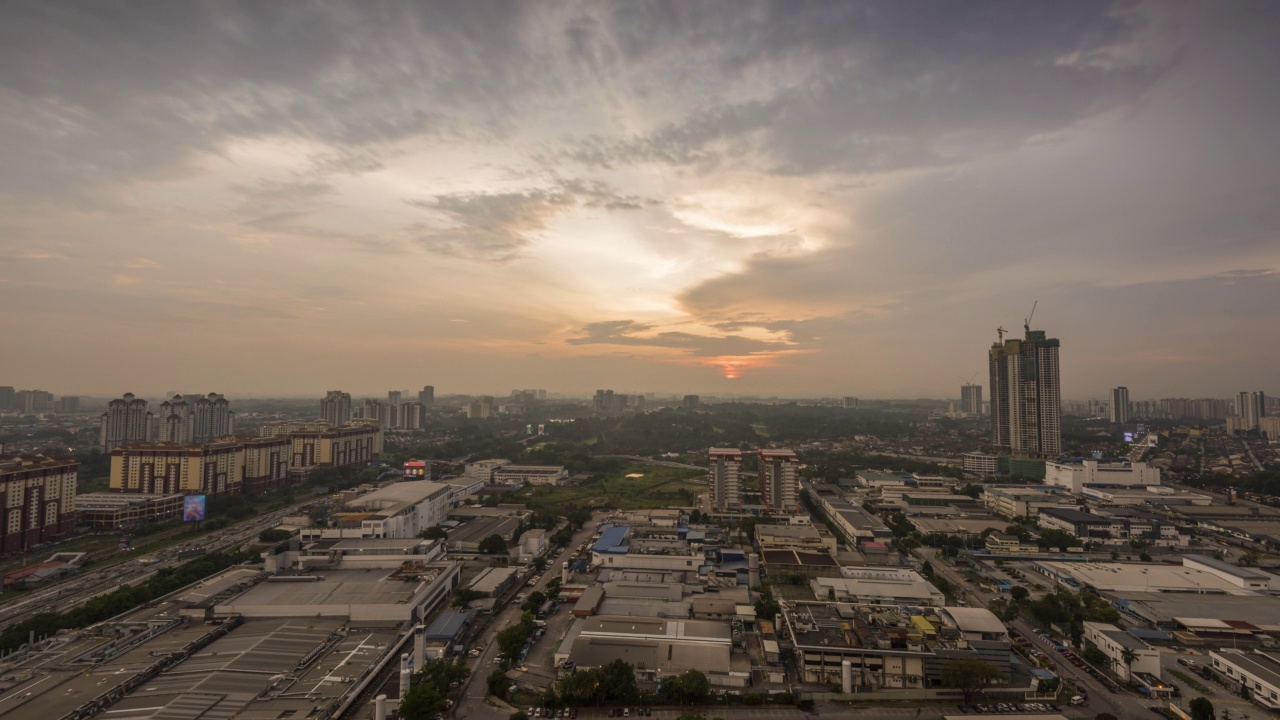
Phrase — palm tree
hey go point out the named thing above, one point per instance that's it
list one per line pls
(1128, 657)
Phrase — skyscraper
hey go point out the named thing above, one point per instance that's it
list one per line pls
(335, 408)
(1119, 408)
(212, 418)
(6, 397)
(723, 482)
(427, 396)
(779, 480)
(126, 420)
(971, 399)
(1251, 407)
(1026, 395)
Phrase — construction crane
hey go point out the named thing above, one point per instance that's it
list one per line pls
(970, 380)
(1026, 325)
(1001, 331)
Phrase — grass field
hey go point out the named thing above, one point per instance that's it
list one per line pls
(656, 487)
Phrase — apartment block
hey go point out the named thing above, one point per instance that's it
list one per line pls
(38, 500)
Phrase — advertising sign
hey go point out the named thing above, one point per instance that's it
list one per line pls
(193, 508)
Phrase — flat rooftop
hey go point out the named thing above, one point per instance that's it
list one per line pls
(1145, 577)
(337, 587)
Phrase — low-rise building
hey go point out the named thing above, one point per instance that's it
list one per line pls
(494, 582)
(1117, 645)
(470, 536)
(658, 648)
(533, 543)
(530, 474)
(1013, 501)
(795, 537)
(1076, 474)
(482, 470)
(980, 463)
(890, 646)
(399, 510)
(110, 511)
(1256, 673)
(1001, 544)
(877, 586)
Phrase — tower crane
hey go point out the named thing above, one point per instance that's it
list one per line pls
(1026, 325)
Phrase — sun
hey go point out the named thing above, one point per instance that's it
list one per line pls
(730, 371)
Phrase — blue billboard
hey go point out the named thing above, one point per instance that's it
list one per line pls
(193, 508)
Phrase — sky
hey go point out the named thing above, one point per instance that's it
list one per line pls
(780, 199)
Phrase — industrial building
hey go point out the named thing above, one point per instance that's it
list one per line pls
(657, 648)
(1076, 474)
(1114, 642)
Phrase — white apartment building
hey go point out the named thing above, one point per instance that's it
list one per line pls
(723, 478)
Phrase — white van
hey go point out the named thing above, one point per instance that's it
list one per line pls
(1077, 700)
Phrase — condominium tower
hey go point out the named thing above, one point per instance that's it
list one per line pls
(335, 408)
(971, 399)
(780, 481)
(723, 478)
(1119, 407)
(1251, 407)
(1026, 395)
(127, 419)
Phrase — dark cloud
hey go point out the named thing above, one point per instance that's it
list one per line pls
(888, 85)
(498, 226)
(630, 332)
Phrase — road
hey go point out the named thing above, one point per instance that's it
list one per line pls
(473, 704)
(660, 463)
(78, 590)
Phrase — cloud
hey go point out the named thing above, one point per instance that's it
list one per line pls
(637, 334)
(497, 227)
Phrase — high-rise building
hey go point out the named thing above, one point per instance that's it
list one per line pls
(1026, 395)
(30, 402)
(173, 421)
(849, 403)
(7, 394)
(690, 401)
(212, 418)
(971, 399)
(37, 500)
(428, 396)
(126, 420)
(335, 408)
(412, 416)
(1119, 407)
(1251, 407)
(780, 481)
(69, 404)
(723, 478)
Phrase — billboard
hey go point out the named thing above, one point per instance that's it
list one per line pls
(193, 508)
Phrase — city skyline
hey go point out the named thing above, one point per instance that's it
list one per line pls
(795, 199)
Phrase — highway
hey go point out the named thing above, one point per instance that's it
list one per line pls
(80, 589)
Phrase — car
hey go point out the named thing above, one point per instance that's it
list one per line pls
(626, 712)
(573, 713)
(529, 712)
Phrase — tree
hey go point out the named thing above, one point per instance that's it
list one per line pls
(497, 683)
(969, 676)
(695, 517)
(435, 532)
(1105, 716)
(618, 680)
(1019, 593)
(493, 545)
(1144, 557)
(1095, 657)
(519, 715)
(690, 687)
(511, 640)
(1128, 657)
(1201, 709)
(274, 535)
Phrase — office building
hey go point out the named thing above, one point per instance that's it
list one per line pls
(971, 399)
(37, 500)
(1119, 407)
(427, 396)
(116, 511)
(1117, 644)
(980, 463)
(335, 408)
(126, 420)
(1026, 395)
(724, 483)
(1251, 407)
(779, 481)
